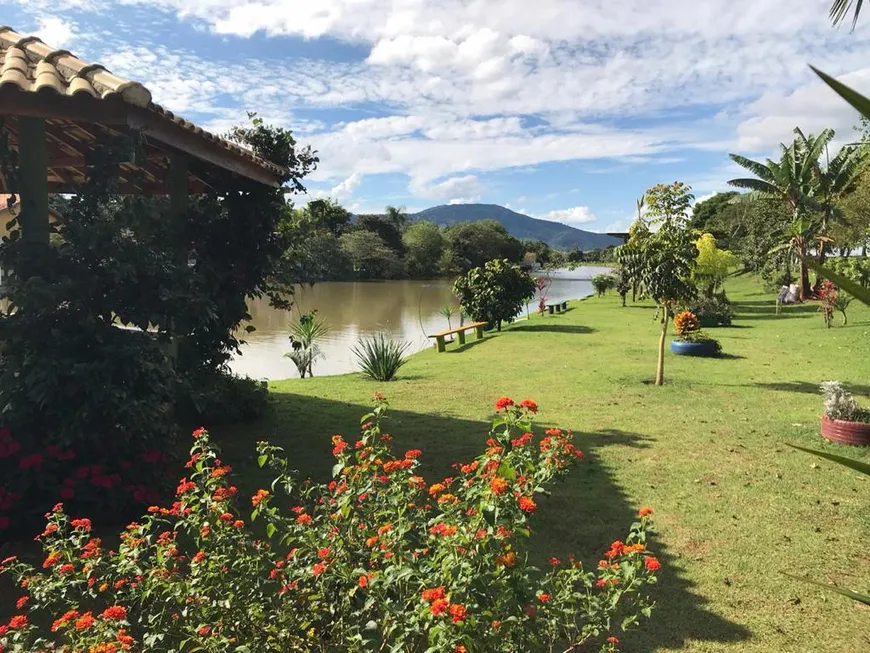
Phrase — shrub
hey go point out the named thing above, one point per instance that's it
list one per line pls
(688, 329)
(833, 299)
(602, 283)
(376, 560)
(380, 357)
(219, 397)
(494, 293)
(840, 404)
(712, 311)
(685, 323)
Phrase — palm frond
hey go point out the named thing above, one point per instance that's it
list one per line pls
(840, 8)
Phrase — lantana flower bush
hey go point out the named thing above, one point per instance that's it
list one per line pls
(376, 560)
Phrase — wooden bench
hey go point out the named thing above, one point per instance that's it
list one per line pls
(441, 343)
(558, 308)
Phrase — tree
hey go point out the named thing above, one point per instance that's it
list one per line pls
(793, 180)
(313, 251)
(711, 215)
(837, 180)
(853, 231)
(474, 243)
(388, 228)
(664, 258)
(328, 214)
(712, 264)
(495, 292)
(541, 251)
(369, 255)
(424, 246)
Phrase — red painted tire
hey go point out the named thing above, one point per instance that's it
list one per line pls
(854, 433)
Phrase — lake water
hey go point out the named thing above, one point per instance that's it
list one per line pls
(407, 310)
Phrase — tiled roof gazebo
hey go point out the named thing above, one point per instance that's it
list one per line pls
(53, 109)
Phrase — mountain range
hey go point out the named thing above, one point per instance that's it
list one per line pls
(555, 234)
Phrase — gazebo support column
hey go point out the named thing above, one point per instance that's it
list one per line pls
(33, 181)
(177, 185)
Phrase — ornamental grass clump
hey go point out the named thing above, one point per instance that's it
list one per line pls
(380, 357)
(377, 559)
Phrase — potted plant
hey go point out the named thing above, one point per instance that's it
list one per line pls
(844, 420)
(690, 340)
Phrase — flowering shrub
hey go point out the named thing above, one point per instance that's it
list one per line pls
(685, 323)
(378, 559)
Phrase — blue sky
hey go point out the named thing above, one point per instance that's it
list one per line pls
(562, 109)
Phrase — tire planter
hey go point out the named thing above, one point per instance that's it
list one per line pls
(854, 433)
(703, 348)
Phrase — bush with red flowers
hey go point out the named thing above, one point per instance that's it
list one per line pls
(377, 559)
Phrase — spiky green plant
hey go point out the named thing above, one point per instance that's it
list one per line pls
(380, 357)
(304, 336)
(448, 311)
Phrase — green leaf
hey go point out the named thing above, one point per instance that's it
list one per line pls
(861, 294)
(270, 529)
(507, 471)
(857, 465)
(861, 598)
(853, 97)
(261, 460)
(336, 469)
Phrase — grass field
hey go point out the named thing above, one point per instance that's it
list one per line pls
(735, 507)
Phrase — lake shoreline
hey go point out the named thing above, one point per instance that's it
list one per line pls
(404, 310)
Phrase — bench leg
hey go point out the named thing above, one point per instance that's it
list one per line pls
(439, 342)
(558, 308)
(551, 309)
(461, 335)
(478, 332)
(564, 306)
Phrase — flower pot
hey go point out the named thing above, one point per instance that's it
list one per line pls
(854, 433)
(701, 348)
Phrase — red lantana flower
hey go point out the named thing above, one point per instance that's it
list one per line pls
(503, 402)
(458, 612)
(643, 512)
(115, 613)
(527, 504)
(529, 405)
(652, 564)
(17, 622)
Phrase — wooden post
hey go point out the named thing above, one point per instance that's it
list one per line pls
(461, 337)
(178, 201)
(33, 180)
(439, 340)
(478, 331)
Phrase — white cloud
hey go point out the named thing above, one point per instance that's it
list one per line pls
(469, 86)
(55, 31)
(455, 190)
(346, 188)
(573, 217)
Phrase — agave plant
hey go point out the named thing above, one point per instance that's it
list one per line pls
(380, 357)
(304, 336)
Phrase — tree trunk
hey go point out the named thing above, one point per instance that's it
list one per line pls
(805, 275)
(633, 292)
(660, 367)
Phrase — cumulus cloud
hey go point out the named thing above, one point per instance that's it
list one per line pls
(573, 217)
(455, 190)
(468, 87)
(346, 188)
(55, 31)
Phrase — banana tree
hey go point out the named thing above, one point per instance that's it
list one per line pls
(794, 180)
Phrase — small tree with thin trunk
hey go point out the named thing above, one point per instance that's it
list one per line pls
(665, 257)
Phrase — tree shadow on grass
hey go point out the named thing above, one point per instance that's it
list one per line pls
(587, 510)
(554, 328)
(809, 387)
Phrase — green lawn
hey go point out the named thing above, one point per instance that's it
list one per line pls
(735, 507)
